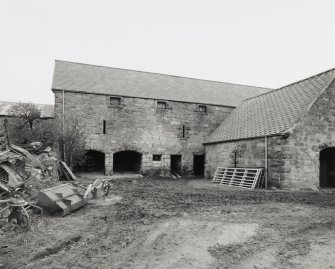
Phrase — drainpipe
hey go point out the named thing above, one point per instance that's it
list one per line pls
(64, 125)
(266, 160)
(63, 110)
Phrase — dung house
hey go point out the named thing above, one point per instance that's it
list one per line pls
(144, 122)
(157, 124)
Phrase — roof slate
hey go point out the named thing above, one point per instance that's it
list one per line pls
(47, 111)
(79, 77)
(272, 113)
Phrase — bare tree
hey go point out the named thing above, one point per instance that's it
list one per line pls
(71, 140)
(26, 111)
(67, 135)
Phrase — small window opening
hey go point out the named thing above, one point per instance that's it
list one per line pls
(115, 101)
(104, 127)
(202, 108)
(161, 104)
(156, 158)
(184, 132)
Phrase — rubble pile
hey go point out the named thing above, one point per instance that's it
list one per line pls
(19, 169)
(29, 182)
(22, 176)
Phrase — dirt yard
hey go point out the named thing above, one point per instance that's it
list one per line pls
(149, 223)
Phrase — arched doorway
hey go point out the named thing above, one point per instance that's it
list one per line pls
(127, 161)
(95, 161)
(327, 167)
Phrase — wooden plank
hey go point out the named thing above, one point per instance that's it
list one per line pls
(257, 178)
(67, 169)
(224, 174)
(219, 174)
(240, 177)
(4, 187)
(243, 178)
(238, 184)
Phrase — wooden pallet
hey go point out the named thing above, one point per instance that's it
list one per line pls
(249, 178)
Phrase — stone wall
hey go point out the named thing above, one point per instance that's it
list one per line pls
(293, 161)
(247, 153)
(313, 133)
(137, 124)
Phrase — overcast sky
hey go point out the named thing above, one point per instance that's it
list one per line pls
(267, 43)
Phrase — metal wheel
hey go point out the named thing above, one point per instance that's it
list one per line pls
(17, 218)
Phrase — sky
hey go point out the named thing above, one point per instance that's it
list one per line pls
(266, 43)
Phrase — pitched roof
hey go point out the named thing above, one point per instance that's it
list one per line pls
(272, 113)
(47, 111)
(79, 77)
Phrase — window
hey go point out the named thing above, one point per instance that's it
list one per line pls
(202, 108)
(115, 101)
(104, 127)
(184, 132)
(161, 104)
(156, 158)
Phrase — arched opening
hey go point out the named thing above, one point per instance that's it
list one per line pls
(127, 161)
(327, 167)
(95, 161)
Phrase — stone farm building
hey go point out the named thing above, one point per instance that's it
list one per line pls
(292, 128)
(158, 124)
(144, 122)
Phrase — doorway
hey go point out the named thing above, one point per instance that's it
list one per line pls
(176, 163)
(327, 167)
(127, 161)
(199, 165)
(95, 161)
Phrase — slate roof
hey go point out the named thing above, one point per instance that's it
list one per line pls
(272, 113)
(79, 77)
(47, 111)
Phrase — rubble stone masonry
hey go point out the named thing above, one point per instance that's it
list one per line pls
(293, 160)
(138, 124)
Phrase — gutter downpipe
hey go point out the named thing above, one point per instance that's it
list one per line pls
(64, 125)
(266, 160)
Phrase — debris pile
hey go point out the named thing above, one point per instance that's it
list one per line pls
(22, 175)
(30, 182)
(18, 167)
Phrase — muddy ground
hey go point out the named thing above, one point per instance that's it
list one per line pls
(150, 223)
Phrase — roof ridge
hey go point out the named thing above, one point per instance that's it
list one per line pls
(177, 76)
(296, 82)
